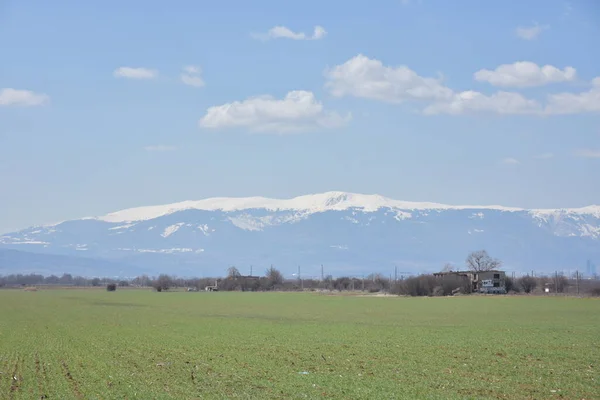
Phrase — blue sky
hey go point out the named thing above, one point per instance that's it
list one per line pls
(421, 100)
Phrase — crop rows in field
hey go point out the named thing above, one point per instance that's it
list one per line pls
(92, 344)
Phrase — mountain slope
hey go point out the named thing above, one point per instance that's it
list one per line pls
(350, 233)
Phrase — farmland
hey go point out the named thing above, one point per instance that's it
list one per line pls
(91, 344)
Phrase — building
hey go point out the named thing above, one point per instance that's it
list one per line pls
(493, 281)
(213, 288)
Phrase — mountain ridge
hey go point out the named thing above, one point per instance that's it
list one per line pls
(352, 232)
(313, 203)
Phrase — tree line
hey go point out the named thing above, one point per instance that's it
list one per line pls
(273, 279)
(420, 285)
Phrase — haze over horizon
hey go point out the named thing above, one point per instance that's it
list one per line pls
(118, 105)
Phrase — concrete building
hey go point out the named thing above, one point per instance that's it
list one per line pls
(481, 281)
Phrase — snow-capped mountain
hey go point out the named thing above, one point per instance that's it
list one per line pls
(349, 233)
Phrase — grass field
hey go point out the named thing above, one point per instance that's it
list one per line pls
(91, 344)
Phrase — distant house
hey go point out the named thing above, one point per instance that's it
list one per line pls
(481, 281)
(213, 288)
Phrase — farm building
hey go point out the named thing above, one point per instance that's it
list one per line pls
(481, 281)
(213, 288)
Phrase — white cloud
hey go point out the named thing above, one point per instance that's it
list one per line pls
(368, 78)
(498, 103)
(297, 111)
(525, 74)
(190, 80)
(575, 103)
(544, 156)
(191, 76)
(135, 73)
(515, 103)
(160, 147)
(319, 33)
(511, 161)
(364, 77)
(587, 153)
(26, 98)
(532, 32)
(279, 31)
(192, 69)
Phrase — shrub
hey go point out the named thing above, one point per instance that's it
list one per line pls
(562, 283)
(421, 285)
(511, 285)
(164, 282)
(111, 287)
(452, 284)
(438, 291)
(527, 283)
(343, 283)
(595, 291)
(274, 279)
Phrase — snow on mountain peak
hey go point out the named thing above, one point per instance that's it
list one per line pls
(593, 211)
(312, 203)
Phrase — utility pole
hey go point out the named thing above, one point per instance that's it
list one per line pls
(300, 279)
(251, 270)
(363, 283)
(555, 281)
(577, 280)
(395, 274)
(321, 272)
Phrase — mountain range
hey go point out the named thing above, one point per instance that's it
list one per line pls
(349, 234)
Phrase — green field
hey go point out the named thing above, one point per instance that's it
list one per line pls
(92, 344)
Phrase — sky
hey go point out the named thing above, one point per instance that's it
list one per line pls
(109, 105)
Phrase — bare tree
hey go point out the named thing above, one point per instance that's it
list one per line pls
(481, 261)
(233, 272)
(274, 276)
(562, 283)
(528, 283)
(448, 268)
(511, 285)
(164, 282)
